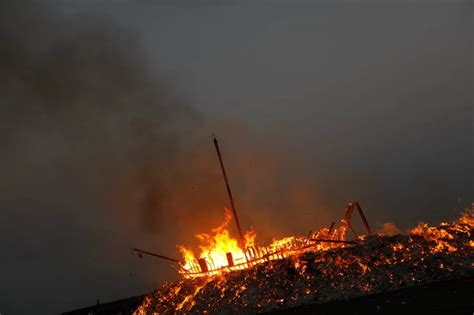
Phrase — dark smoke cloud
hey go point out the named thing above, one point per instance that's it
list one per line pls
(88, 140)
(98, 154)
(78, 101)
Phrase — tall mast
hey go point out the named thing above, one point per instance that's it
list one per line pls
(236, 218)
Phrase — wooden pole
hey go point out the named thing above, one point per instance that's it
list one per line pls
(367, 227)
(155, 255)
(229, 192)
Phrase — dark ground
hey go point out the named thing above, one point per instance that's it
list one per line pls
(124, 306)
(446, 297)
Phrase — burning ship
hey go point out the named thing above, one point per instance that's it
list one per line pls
(236, 275)
(300, 276)
(429, 268)
(221, 253)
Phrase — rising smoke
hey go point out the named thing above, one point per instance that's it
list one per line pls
(99, 155)
(89, 139)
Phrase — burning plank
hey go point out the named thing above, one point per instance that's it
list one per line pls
(221, 253)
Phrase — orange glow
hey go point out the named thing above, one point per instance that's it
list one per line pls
(215, 247)
(423, 243)
(440, 237)
(220, 252)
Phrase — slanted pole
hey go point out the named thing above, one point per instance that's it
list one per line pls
(348, 216)
(139, 251)
(359, 209)
(236, 218)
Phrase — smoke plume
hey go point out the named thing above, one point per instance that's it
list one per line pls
(101, 152)
(100, 155)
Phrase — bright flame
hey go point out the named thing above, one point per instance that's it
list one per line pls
(220, 252)
(441, 236)
(423, 250)
(216, 246)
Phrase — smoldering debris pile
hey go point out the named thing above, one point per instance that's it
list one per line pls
(374, 264)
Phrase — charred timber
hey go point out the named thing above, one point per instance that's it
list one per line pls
(140, 251)
(232, 204)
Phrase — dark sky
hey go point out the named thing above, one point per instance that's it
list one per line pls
(106, 112)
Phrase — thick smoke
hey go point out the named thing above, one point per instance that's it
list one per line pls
(89, 139)
(99, 155)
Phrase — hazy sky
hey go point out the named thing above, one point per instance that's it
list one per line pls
(106, 108)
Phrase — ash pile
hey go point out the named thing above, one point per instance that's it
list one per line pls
(374, 264)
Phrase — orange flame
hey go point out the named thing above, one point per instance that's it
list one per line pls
(446, 240)
(215, 247)
(220, 252)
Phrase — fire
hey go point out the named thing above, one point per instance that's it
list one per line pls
(216, 248)
(441, 236)
(321, 266)
(220, 252)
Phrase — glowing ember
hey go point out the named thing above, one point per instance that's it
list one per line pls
(302, 270)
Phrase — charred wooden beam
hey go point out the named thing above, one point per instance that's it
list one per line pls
(366, 224)
(348, 213)
(348, 216)
(140, 252)
(234, 211)
(203, 264)
(230, 259)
